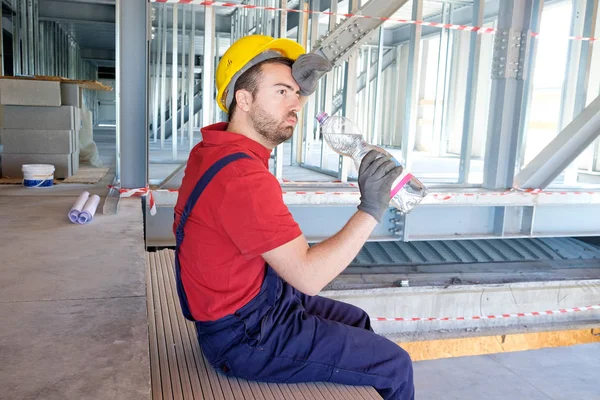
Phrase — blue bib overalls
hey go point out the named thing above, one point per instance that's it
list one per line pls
(285, 336)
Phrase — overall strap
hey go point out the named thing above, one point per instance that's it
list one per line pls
(189, 206)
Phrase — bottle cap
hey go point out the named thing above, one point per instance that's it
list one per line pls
(322, 116)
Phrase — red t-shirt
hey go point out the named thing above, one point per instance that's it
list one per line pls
(239, 216)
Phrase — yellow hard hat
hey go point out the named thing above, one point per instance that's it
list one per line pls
(245, 53)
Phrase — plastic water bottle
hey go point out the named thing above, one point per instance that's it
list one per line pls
(344, 137)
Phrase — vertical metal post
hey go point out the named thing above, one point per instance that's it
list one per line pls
(24, 37)
(466, 147)
(36, 37)
(163, 81)
(367, 105)
(1, 48)
(409, 130)
(377, 114)
(16, 44)
(510, 50)
(329, 78)
(157, 59)
(216, 109)
(50, 46)
(312, 101)
(191, 74)
(350, 88)
(579, 54)
(283, 31)
(446, 70)
(132, 25)
(174, 79)
(538, 6)
(298, 138)
(183, 86)
(208, 65)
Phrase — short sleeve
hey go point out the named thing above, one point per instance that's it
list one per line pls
(253, 214)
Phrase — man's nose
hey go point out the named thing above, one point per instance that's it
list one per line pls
(295, 104)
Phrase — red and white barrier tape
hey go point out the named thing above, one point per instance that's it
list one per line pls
(468, 28)
(139, 192)
(499, 316)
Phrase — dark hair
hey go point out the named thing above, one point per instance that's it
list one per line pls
(249, 79)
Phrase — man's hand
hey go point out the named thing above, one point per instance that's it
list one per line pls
(307, 70)
(375, 178)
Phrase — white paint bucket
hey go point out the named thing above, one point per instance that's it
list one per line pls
(38, 175)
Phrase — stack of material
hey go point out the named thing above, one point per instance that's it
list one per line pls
(39, 122)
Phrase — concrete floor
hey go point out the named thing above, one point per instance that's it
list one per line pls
(72, 297)
(556, 373)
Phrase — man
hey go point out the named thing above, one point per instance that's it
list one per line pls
(245, 272)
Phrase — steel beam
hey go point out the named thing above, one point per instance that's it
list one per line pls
(508, 87)
(466, 147)
(278, 151)
(191, 82)
(208, 65)
(563, 150)
(132, 89)
(349, 107)
(174, 79)
(52, 10)
(579, 56)
(538, 6)
(353, 32)
(409, 130)
(163, 78)
(157, 59)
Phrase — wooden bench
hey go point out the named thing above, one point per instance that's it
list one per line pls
(180, 371)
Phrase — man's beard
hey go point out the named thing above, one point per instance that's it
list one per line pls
(267, 126)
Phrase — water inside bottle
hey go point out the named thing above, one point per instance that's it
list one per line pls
(344, 143)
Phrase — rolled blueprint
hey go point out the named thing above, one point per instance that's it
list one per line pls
(89, 209)
(77, 207)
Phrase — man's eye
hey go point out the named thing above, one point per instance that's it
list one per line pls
(282, 91)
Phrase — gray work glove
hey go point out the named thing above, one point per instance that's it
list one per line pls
(375, 178)
(307, 70)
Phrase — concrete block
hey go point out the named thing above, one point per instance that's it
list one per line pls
(75, 162)
(21, 92)
(63, 163)
(40, 118)
(71, 94)
(28, 141)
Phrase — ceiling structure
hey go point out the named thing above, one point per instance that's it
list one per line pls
(91, 23)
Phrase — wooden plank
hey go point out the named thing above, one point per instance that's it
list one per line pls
(273, 390)
(306, 391)
(368, 392)
(162, 343)
(198, 358)
(255, 388)
(246, 389)
(335, 391)
(290, 391)
(183, 372)
(182, 363)
(315, 390)
(214, 385)
(357, 393)
(324, 391)
(192, 370)
(171, 360)
(153, 337)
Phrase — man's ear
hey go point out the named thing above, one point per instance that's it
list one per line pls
(243, 99)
